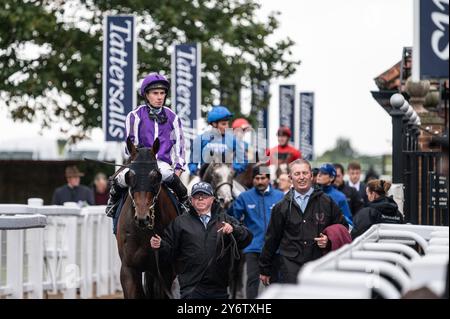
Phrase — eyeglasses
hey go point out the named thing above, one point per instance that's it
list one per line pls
(201, 196)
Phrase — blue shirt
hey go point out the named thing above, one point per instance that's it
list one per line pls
(205, 217)
(303, 199)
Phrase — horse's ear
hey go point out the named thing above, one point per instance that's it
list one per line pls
(130, 178)
(130, 146)
(155, 147)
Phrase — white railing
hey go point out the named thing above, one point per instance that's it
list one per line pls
(79, 252)
(387, 259)
(21, 255)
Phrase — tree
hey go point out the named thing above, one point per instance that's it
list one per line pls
(64, 79)
(342, 152)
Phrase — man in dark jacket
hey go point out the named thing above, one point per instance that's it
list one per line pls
(354, 174)
(194, 241)
(73, 191)
(296, 226)
(354, 199)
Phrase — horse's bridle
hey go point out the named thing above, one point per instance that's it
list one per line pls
(143, 187)
(151, 209)
(207, 171)
(222, 184)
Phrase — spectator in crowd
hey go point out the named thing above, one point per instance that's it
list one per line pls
(240, 127)
(284, 183)
(296, 226)
(73, 191)
(315, 172)
(381, 208)
(370, 175)
(283, 153)
(100, 188)
(354, 200)
(192, 242)
(325, 179)
(255, 206)
(354, 175)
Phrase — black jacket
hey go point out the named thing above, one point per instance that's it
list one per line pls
(187, 243)
(354, 199)
(381, 210)
(73, 194)
(362, 192)
(293, 231)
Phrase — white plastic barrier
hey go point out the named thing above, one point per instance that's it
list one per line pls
(410, 256)
(430, 271)
(22, 236)
(334, 285)
(80, 251)
(403, 250)
(392, 257)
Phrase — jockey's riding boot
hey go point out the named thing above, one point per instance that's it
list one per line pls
(181, 191)
(115, 193)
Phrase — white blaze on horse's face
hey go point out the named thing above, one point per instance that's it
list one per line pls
(224, 192)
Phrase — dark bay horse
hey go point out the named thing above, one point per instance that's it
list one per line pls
(147, 210)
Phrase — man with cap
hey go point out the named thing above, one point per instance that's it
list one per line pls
(144, 124)
(283, 153)
(73, 191)
(254, 208)
(194, 242)
(325, 178)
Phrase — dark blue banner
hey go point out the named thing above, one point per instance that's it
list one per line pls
(119, 75)
(306, 125)
(186, 86)
(287, 105)
(432, 22)
(260, 97)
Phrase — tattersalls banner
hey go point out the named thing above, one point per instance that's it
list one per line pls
(306, 125)
(186, 88)
(119, 74)
(287, 105)
(431, 43)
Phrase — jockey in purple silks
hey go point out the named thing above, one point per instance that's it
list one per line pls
(146, 123)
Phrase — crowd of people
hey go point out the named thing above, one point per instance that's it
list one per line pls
(280, 223)
(80, 194)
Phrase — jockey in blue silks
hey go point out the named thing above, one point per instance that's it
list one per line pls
(144, 124)
(218, 142)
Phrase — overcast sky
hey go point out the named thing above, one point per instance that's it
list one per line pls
(343, 45)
